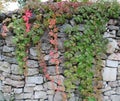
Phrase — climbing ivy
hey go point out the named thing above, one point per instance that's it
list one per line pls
(83, 48)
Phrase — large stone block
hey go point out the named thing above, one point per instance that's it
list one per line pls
(109, 74)
(5, 67)
(41, 94)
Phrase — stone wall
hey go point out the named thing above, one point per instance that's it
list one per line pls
(34, 87)
(111, 63)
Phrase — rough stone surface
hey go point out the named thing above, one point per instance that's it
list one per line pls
(109, 74)
(114, 56)
(14, 83)
(41, 94)
(34, 80)
(2, 96)
(33, 51)
(112, 45)
(58, 96)
(111, 63)
(32, 63)
(32, 71)
(5, 67)
(15, 69)
(7, 49)
(115, 97)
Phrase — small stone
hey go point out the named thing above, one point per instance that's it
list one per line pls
(24, 96)
(16, 77)
(15, 69)
(105, 98)
(61, 44)
(118, 90)
(118, 33)
(33, 51)
(41, 94)
(9, 41)
(115, 97)
(33, 71)
(14, 83)
(18, 90)
(112, 27)
(58, 96)
(110, 92)
(47, 57)
(45, 46)
(109, 74)
(2, 17)
(50, 85)
(112, 22)
(109, 35)
(106, 89)
(6, 89)
(34, 80)
(38, 87)
(32, 63)
(111, 46)
(111, 63)
(10, 60)
(30, 85)
(113, 84)
(65, 27)
(72, 22)
(50, 92)
(50, 97)
(81, 27)
(7, 49)
(5, 67)
(114, 56)
(28, 89)
(2, 96)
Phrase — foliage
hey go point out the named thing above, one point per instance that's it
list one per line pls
(83, 49)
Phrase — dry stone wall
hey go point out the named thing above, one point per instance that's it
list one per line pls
(14, 86)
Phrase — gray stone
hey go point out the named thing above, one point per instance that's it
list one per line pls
(32, 63)
(114, 56)
(18, 90)
(46, 57)
(41, 94)
(9, 41)
(109, 74)
(81, 27)
(112, 27)
(7, 96)
(112, 22)
(2, 96)
(7, 49)
(65, 27)
(33, 71)
(115, 97)
(118, 33)
(106, 89)
(34, 80)
(14, 83)
(50, 97)
(16, 77)
(24, 96)
(50, 92)
(6, 89)
(112, 45)
(105, 98)
(28, 89)
(109, 35)
(110, 92)
(50, 85)
(33, 51)
(5, 67)
(58, 96)
(15, 69)
(45, 46)
(10, 60)
(118, 90)
(111, 63)
(113, 84)
(61, 44)
(38, 87)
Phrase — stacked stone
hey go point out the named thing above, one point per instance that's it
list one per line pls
(111, 63)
